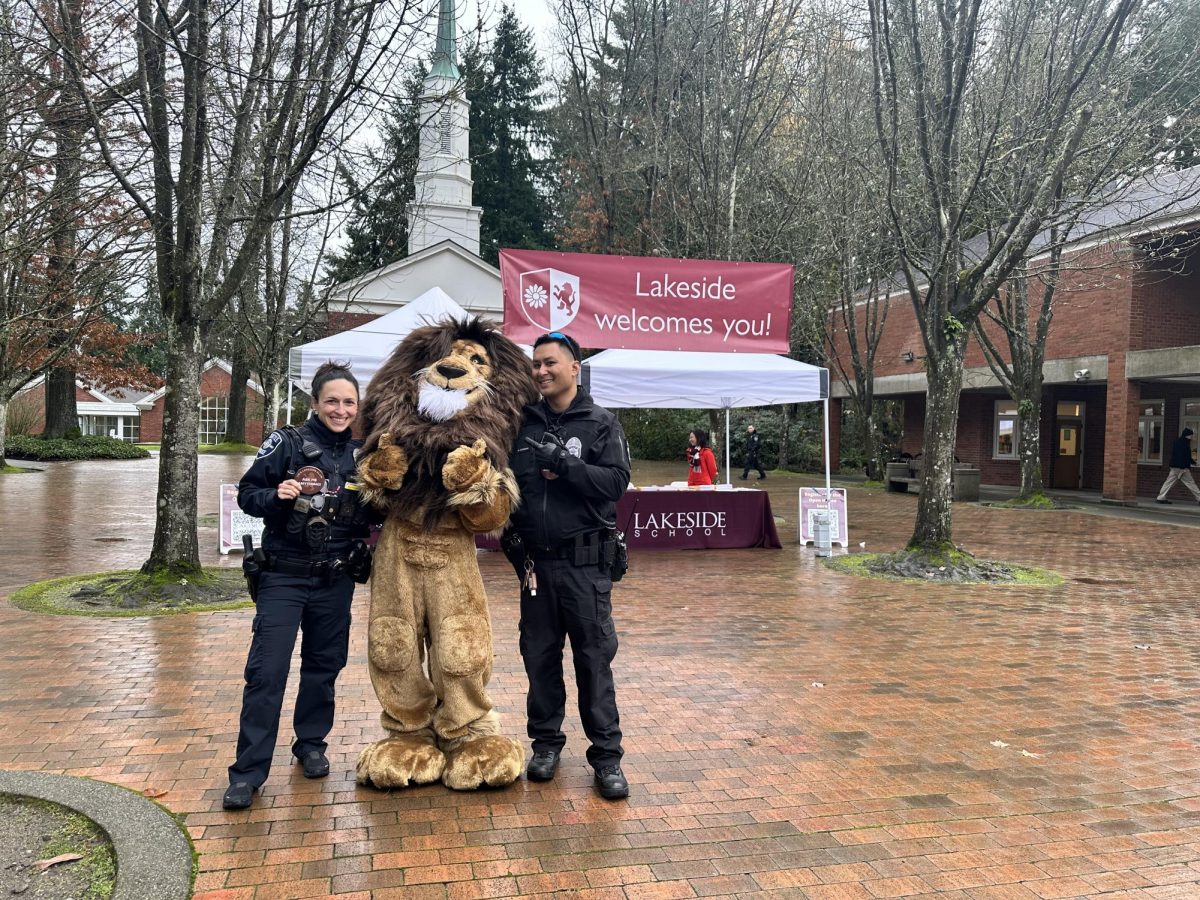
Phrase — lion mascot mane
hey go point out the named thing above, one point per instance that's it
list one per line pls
(440, 419)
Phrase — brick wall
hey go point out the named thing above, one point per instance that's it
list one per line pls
(977, 427)
(343, 321)
(214, 382)
(1170, 298)
(1091, 317)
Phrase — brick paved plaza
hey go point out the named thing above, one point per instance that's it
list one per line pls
(789, 732)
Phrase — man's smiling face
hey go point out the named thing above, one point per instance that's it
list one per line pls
(554, 371)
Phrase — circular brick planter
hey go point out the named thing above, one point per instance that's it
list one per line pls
(154, 856)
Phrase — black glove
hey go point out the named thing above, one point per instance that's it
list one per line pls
(551, 456)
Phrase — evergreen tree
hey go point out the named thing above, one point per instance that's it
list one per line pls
(509, 144)
(510, 159)
(377, 231)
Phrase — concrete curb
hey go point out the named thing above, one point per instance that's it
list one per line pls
(154, 857)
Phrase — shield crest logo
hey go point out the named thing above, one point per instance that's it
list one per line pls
(550, 298)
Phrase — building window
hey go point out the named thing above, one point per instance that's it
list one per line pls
(1189, 417)
(1150, 431)
(1007, 429)
(133, 429)
(213, 414)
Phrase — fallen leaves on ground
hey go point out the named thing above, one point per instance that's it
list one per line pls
(43, 864)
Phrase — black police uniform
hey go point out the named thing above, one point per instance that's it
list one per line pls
(304, 585)
(563, 523)
(752, 444)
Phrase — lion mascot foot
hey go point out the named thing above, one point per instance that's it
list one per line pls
(401, 760)
(493, 760)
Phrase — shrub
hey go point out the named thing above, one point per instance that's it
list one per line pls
(661, 433)
(25, 413)
(21, 446)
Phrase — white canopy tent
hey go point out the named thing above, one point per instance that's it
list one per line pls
(671, 379)
(367, 346)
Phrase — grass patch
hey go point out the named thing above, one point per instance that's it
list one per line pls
(228, 448)
(948, 567)
(1037, 501)
(62, 830)
(876, 485)
(14, 470)
(130, 593)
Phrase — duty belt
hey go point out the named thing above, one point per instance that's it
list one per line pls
(567, 549)
(322, 568)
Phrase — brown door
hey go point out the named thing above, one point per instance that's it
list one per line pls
(1068, 453)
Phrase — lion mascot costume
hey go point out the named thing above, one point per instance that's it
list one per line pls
(440, 418)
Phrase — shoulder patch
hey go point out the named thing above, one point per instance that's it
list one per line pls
(270, 445)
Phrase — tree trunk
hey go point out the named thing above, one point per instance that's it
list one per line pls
(868, 432)
(235, 423)
(785, 436)
(1029, 446)
(716, 433)
(68, 126)
(933, 533)
(176, 547)
(270, 405)
(61, 412)
(3, 432)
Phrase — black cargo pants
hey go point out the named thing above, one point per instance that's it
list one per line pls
(287, 604)
(576, 602)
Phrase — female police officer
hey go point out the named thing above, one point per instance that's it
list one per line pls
(297, 484)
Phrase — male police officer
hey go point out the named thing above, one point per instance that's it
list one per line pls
(572, 464)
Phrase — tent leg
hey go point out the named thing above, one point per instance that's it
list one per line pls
(289, 405)
(827, 485)
(727, 474)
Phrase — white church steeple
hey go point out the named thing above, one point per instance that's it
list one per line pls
(442, 207)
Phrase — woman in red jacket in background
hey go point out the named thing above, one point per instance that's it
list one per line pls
(702, 465)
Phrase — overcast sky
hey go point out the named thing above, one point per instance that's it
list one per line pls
(535, 14)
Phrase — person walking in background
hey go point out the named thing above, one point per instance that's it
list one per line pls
(753, 440)
(1181, 468)
(702, 465)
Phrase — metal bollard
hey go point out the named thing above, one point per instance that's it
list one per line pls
(822, 537)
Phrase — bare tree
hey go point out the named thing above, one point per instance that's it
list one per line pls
(974, 101)
(669, 110)
(232, 100)
(842, 256)
(67, 246)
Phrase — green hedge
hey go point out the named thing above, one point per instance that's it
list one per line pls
(21, 446)
(661, 434)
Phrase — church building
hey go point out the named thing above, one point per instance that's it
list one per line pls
(443, 225)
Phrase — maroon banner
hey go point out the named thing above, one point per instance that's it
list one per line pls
(647, 303)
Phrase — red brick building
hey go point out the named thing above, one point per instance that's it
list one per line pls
(1122, 368)
(137, 416)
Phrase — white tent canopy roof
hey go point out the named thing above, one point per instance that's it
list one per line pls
(676, 379)
(370, 344)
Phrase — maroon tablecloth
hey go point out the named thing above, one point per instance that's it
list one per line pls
(692, 520)
(695, 520)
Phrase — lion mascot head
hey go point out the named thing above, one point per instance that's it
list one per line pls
(444, 386)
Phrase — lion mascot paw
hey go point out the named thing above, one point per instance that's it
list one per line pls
(441, 417)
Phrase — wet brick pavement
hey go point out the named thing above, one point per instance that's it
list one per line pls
(790, 732)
